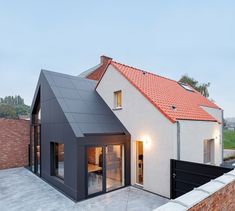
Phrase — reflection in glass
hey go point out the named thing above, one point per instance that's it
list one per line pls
(59, 160)
(95, 169)
(32, 149)
(38, 152)
(114, 167)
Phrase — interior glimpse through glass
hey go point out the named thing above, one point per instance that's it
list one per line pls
(139, 162)
(95, 169)
(38, 146)
(114, 167)
(59, 160)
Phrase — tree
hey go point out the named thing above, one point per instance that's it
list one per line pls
(12, 107)
(8, 111)
(200, 87)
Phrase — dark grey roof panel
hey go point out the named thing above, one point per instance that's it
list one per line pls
(84, 109)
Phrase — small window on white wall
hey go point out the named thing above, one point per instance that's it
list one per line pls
(209, 151)
(118, 99)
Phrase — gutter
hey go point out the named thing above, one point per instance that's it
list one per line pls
(178, 140)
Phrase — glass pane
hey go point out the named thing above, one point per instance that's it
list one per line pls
(59, 160)
(114, 167)
(38, 152)
(95, 169)
(32, 149)
(139, 163)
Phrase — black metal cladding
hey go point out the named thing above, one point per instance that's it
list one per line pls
(84, 109)
(185, 176)
(73, 113)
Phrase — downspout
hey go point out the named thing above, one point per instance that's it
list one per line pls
(222, 136)
(178, 140)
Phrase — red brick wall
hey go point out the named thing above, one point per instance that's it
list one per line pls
(224, 199)
(14, 140)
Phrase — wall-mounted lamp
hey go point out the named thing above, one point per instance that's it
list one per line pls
(146, 141)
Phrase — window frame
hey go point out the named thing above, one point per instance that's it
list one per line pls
(118, 99)
(55, 160)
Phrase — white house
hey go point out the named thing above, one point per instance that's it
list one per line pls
(166, 120)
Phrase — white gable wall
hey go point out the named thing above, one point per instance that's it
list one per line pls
(145, 123)
(216, 113)
(192, 135)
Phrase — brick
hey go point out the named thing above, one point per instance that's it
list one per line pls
(221, 200)
(14, 141)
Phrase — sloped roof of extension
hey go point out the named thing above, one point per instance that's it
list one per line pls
(168, 96)
(84, 109)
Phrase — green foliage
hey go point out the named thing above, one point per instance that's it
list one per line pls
(229, 139)
(200, 87)
(10, 100)
(12, 107)
(7, 111)
(22, 110)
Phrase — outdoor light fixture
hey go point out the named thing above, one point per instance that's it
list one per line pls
(147, 141)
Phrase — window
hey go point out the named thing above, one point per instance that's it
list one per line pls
(58, 160)
(118, 99)
(209, 151)
(187, 87)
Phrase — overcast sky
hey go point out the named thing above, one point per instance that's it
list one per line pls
(166, 37)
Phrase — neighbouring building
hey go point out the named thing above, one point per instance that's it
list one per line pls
(133, 117)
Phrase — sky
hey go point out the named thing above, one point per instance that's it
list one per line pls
(167, 37)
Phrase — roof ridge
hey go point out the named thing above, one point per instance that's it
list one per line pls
(138, 69)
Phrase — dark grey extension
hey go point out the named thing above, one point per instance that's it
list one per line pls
(77, 144)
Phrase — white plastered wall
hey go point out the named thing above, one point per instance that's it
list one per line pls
(216, 113)
(145, 123)
(192, 136)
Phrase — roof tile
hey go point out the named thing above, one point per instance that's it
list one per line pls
(164, 93)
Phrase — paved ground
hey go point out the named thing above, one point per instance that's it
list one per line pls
(22, 190)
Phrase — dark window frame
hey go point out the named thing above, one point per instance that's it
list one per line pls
(55, 160)
(104, 187)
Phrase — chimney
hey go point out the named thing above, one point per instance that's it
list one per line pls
(105, 59)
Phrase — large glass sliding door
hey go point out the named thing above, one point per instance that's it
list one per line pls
(95, 169)
(114, 167)
(105, 168)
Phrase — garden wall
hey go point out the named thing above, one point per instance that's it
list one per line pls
(216, 195)
(14, 141)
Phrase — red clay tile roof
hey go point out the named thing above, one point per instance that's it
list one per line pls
(96, 74)
(164, 93)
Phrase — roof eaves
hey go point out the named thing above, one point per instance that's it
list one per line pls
(204, 120)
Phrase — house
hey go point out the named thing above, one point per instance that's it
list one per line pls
(116, 125)
(77, 144)
(166, 120)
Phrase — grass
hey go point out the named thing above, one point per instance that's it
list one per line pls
(229, 139)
